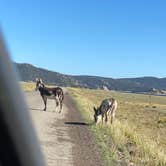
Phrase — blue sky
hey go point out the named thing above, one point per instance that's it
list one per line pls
(111, 38)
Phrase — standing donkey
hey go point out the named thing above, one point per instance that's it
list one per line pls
(55, 93)
(107, 108)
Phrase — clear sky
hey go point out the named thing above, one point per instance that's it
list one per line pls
(112, 38)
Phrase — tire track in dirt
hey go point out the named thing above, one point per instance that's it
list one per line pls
(85, 150)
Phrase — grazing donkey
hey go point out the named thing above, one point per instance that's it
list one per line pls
(55, 93)
(107, 107)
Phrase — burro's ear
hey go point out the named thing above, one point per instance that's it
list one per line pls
(94, 109)
(41, 80)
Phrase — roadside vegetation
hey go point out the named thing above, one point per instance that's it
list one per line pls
(27, 86)
(30, 86)
(138, 135)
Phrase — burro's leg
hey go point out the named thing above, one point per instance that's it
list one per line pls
(45, 102)
(60, 106)
(114, 108)
(57, 102)
(106, 118)
(112, 117)
(61, 97)
(102, 117)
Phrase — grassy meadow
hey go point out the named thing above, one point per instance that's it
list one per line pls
(138, 135)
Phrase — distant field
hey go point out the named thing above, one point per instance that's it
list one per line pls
(27, 86)
(30, 86)
(139, 133)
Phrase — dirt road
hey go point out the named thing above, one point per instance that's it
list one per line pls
(65, 138)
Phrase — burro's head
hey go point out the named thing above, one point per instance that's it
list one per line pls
(96, 114)
(39, 83)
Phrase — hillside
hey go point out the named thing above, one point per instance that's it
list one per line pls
(29, 72)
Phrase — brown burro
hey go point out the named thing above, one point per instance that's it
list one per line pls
(107, 108)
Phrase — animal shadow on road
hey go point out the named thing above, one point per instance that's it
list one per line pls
(78, 123)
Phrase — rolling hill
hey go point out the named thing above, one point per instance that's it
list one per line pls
(29, 72)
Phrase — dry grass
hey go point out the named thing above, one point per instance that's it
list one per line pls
(27, 86)
(30, 86)
(139, 133)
